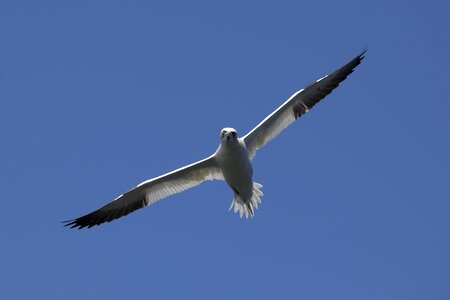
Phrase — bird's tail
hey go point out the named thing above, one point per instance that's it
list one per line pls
(248, 208)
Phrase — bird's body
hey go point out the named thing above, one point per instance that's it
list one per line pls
(236, 167)
(234, 162)
(231, 162)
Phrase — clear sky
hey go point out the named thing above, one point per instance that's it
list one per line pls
(97, 96)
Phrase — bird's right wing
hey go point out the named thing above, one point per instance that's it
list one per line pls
(150, 191)
(296, 106)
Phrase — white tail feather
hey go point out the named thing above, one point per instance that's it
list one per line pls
(248, 209)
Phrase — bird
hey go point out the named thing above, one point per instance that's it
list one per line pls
(231, 162)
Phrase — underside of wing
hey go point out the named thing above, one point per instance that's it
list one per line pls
(150, 191)
(297, 105)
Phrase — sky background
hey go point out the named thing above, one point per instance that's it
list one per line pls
(97, 96)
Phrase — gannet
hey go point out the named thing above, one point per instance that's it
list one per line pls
(231, 162)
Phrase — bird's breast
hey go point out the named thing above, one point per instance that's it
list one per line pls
(237, 169)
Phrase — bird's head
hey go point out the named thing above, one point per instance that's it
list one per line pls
(228, 135)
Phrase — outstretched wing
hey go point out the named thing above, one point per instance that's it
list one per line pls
(150, 191)
(296, 106)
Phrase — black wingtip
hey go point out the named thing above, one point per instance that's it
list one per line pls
(73, 224)
(363, 52)
(351, 65)
(68, 222)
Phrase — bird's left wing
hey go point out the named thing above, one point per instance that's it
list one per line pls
(150, 191)
(296, 106)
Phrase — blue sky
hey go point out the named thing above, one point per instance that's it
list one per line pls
(98, 96)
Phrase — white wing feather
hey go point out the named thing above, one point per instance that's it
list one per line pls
(296, 106)
(150, 191)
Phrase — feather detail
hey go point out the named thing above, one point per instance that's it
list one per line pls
(247, 208)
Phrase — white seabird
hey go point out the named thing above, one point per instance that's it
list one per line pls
(231, 162)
